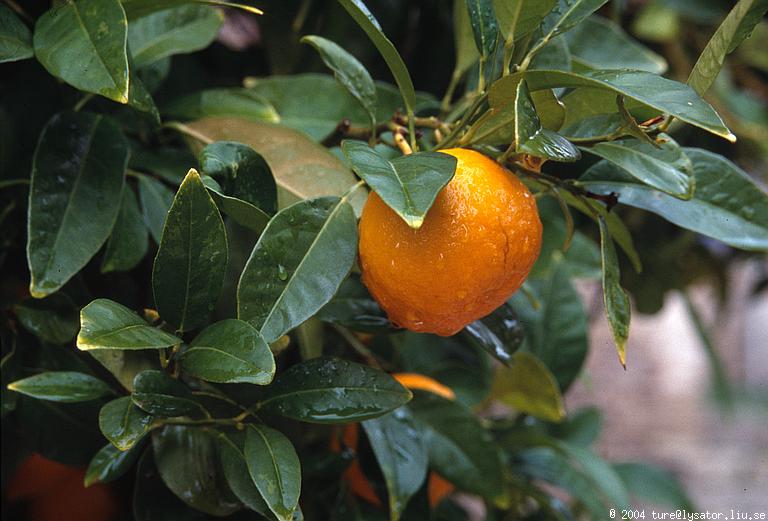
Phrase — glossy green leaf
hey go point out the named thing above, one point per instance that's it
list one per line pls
(78, 173)
(459, 448)
(189, 465)
(664, 167)
(274, 468)
(353, 307)
(500, 333)
(581, 428)
(363, 17)
(555, 55)
(598, 43)
(653, 484)
(302, 168)
(191, 262)
(105, 324)
(231, 452)
(736, 27)
(122, 423)
(160, 395)
(331, 390)
(230, 351)
(648, 89)
(567, 14)
(140, 98)
(530, 388)
(615, 299)
(242, 212)
(238, 102)
(242, 173)
(297, 265)
(169, 164)
(84, 43)
(519, 18)
(348, 71)
(110, 463)
(556, 332)
(178, 30)
(128, 243)
(401, 452)
(125, 364)
(408, 184)
(62, 386)
(15, 37)
(52, 319)
(484, 27)
(531, 138)
(139, 8)
(156, 200)
(727, 204)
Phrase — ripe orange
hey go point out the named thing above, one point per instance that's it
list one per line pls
(476, 247)
(437, 487)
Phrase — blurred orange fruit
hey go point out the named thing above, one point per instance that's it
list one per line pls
(477, 245)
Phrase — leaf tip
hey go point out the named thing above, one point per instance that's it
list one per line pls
(414, 222)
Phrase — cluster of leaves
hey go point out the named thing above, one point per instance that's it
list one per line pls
(251, 197)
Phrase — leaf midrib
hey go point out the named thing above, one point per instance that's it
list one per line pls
(298, 392)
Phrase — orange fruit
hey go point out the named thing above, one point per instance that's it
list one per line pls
(55, 492)
(437, 487)
(477, 245)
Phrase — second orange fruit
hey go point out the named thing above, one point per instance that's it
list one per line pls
(477, 245)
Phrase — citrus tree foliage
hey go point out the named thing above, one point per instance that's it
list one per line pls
(181, 299)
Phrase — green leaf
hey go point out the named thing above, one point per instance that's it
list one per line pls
(483, 21)
(459, 448)
(363, 17)
(530, 388)
(110, 464)
(238, 102)
(408, 184)
(156, 200)
(231, 452)
(78, 173)
(128, 243)
(274, 468)
(178, 30)
(84, 44)
(353, 307)
(598, 43)
(105, 324)
(140, 99)
(645, 88)
(165, 162)
(122, 423)
(348, 71)
(191, 262)
(140, 8)
(652, 484)
(305, 253)
(556, 332)
(242, 212)
(727, 204)
(401, 452)
(331, 390)
(189, 465)
(230, 351)
(15, 37)
(736, 27)
(500, 333)
(302, 168)
(466, 50)
(53, 319)
(62, 386)
(519, 18)
(531, 138)
(615, 299)
(664, 167)
(242, 172)
(160, 395)
(567, 14)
